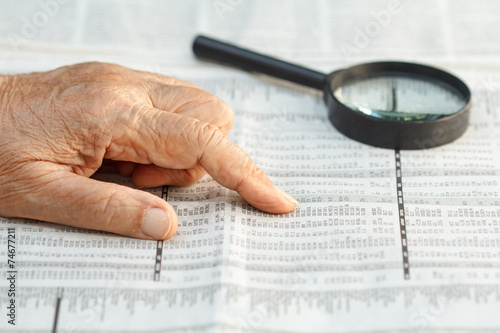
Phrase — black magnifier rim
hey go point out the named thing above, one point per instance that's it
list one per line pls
(396, 134)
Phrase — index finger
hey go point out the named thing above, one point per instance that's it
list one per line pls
(175, 141)
(231, 167)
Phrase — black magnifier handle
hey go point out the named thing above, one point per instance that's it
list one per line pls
(206, 47)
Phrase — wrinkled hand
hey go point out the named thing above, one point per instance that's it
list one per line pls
(58, 126)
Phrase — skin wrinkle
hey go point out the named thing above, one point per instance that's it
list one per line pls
(6, 81)
(252, 171)
(179, 95)
(57, 179)
(17, 123)
(28, 181)
(31, 131)
(118, 145)
(224, 127)
(110, 202)
(95, 143)
(115, 203)
(179, 128)
(181, 106)
(195, 103)
(59, 125)
(32, 143)
(73, 198)
(206, 135)
(9, 168)
(126, 145)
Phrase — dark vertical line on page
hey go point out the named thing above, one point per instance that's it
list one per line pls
(401, 216)
(58, 307)
(159, 251)
(164, 192)
(159, 244)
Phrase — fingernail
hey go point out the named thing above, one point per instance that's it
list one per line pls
(156, 223)
(287, 196)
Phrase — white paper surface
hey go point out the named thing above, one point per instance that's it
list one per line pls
(335, 264)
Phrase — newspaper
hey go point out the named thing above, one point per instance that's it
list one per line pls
(344, 260)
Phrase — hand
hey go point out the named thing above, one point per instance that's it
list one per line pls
(58, 126)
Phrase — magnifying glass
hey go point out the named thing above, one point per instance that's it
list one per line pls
(395, 105)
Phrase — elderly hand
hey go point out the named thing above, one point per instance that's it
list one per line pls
(58, 126)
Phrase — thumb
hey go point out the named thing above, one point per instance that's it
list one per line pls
(66, 198)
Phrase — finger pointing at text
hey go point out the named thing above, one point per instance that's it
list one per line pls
(58, 126)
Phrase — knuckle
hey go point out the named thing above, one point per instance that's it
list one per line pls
(208, 134)
(209, 137)
(220, 111)
(223, 110)
(253, 173)
(118, 214)
(108, 209)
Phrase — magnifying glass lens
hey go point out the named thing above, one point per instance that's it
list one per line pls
(401, 97)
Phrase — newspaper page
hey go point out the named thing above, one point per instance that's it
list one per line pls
(381, 241)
